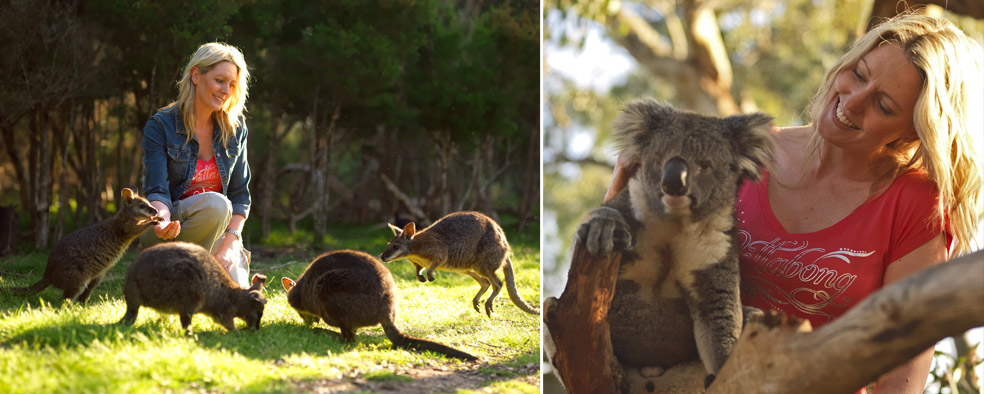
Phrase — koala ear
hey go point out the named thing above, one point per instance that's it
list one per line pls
(752, 143)
(636, 125)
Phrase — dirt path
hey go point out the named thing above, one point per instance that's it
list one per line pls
(426, 379)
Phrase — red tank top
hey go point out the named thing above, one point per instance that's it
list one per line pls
(206, 179)
(820, 275)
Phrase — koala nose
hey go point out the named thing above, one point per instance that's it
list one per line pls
(675, 177)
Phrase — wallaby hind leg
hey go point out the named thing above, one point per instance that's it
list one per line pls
(416, 271)
(88, 289)
(132, 309)
(185, 322)
(348, 334)
(72, 291)
(496, 286)
(484, 283)
(194, 304)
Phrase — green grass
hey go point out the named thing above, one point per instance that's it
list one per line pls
(47, 345)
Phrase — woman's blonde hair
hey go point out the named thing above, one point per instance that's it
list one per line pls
(229, 116)
(949, 113)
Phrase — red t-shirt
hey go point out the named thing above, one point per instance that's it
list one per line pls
(206, 179)
(820, 275)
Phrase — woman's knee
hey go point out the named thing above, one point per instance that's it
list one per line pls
(213, 206)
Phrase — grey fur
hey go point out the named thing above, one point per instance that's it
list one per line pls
(350, 289)
(676, 298)
(465, 242)
(184, 278)
(79, 261)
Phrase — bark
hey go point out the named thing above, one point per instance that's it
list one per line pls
(576, 335)
(882, 332)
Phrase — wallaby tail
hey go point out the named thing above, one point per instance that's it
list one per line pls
(511, 288)
(32, 289)
(404, 341)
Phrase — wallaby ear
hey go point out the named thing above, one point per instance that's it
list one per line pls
(256, 296)
(396, 230)
(287, 283)
(409, 230)
(752, 143)
(258, 281)
(128, 195)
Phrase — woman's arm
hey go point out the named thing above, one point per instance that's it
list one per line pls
(239, 177)
(910, 378)
(155, 178)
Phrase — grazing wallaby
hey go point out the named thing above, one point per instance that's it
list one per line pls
(466, 242)
(184, 278)
(350, 289)
(79, 261)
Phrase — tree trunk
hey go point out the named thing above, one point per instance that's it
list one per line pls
(882, 332)
(21, 173)
(531, 181)
(576, 337)
(268, 172)
(966, 359)
(42, 202)
(696, 62)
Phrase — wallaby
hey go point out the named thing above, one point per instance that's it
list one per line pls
(466, 242)
(79, 260)
(350, 289)
(184, 278)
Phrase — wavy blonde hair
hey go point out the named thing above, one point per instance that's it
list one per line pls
(229, 116)
(949, 114)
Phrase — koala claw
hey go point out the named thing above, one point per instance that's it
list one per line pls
(605, 232)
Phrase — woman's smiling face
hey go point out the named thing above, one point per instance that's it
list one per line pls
(212, 89)
(874, 101)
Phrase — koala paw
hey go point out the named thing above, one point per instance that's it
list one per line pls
(604, 232)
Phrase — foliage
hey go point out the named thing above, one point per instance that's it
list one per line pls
(343, 92)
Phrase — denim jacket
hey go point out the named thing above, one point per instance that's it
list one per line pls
(169, 163)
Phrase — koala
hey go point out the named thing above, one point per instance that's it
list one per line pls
(676, 298)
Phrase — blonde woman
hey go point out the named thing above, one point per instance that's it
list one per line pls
(886, 181)
(197, 175)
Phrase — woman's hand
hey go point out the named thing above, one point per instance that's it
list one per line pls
(165, 229)
(620, 178)
(228, 252)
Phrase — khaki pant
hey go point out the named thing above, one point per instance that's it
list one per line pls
(204, 218)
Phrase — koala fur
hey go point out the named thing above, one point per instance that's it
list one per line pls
(676, 299)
